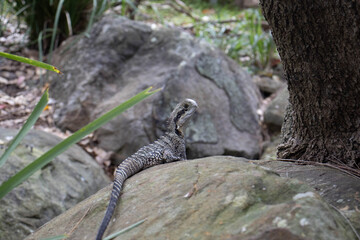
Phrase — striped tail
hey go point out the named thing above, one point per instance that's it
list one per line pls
(127, 168)
(111, 207)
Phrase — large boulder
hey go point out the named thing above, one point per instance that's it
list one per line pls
(58, 186)
(121, 58)
(209, 198)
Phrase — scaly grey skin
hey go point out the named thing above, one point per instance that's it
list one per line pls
(168, 148)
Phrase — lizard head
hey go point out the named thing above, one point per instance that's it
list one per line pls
(180, 116)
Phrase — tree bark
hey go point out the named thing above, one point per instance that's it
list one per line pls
(319, 45)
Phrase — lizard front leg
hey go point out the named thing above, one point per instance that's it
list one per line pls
(168, 156)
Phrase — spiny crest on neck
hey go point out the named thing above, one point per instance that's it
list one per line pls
(180, 115)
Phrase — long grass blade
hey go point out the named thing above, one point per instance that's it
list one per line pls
(60, 237)
(123, 8)
(40, 38)
(37, 164)
(30, 61)
(102, 8)
(27, 126)
(124, 230)
(131, 4)
(56, 23)
(21, 10)
(92, 16)
(69, 24)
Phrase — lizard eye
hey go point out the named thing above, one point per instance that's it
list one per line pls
(186, 106)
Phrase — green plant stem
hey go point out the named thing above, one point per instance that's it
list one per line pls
(111, 236)
(123, 7)
(60, 237)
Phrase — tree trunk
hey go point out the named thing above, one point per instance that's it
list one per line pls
(319, 45)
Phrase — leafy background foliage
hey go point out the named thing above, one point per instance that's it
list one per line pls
(241, 33)
(39, 17)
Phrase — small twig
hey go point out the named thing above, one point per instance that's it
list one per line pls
(194, 189)
(222, 21)
(226, 36)
(181, 9)
(77, 224)
(343, 168)
(347, 220)
(182, 4)
(199, 22)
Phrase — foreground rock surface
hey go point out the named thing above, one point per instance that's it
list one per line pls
(61, 184)
(337, 188)
(209, 198)
(123, 57)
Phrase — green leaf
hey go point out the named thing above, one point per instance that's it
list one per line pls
(21, 10)
(27, 126)
(30, 61)
(37, 164)
(56, 22)
(60, 237)
(124, 230)
(102, 8)
(123, 8)
(92, 16)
